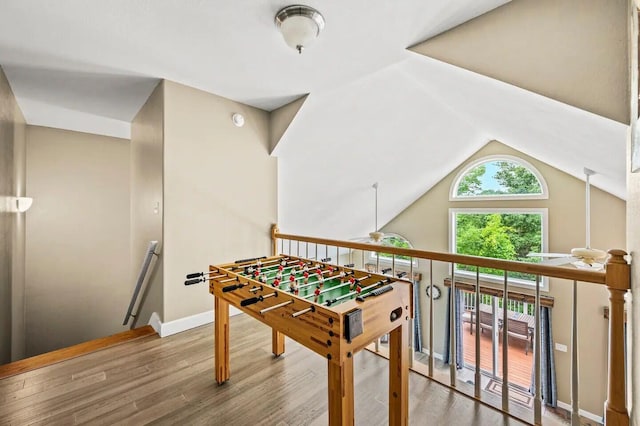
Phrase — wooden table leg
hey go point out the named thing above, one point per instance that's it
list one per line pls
(341, 393)
(221, 327)
(277, 342)
(399, 376)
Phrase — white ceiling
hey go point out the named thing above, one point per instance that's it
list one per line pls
(376, 111)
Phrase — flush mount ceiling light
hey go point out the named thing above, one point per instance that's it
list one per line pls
(300, 25)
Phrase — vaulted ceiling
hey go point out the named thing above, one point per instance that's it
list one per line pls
(398, 92)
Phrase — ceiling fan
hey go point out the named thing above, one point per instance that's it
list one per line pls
(581, 257)
(376, 236)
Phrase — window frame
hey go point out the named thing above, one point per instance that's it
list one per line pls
(494, 279)
(453, 196)
(388, 261)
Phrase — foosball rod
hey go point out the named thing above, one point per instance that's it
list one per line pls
(203, 279)
(333, 277)
(202, 274)
(363, 292)
(325, 280)
(272, 268)
(326, 290)
(303, 311)
(251, 271)
(252, 300)
(279, 305)
(356, 282)
(259, 262)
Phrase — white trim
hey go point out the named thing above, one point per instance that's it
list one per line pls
(183, 324)
(544, 212)
(389, 261)
(490, 159)
(436, 355)
(583, 413)
(155, 322)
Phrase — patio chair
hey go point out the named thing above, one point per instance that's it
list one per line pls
(467, 316)
(486, 321)
(520, 330)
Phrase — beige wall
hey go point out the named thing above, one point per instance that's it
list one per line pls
(147, 132)
(77, 242)
(18, 330)
(219, 191)
(633, 246)
(425, 224)
(12, 178)
(633, 221)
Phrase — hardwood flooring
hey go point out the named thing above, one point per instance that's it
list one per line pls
(520, 364)
(170, 381)
(63, 354)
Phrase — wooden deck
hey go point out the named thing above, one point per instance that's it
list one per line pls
(171, 381)
(520, 364)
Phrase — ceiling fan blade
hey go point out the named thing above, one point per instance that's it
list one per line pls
(559, 261)
(548, 255)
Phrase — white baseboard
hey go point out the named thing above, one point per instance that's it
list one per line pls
(165, 329)
(582, 412)
(436, 355)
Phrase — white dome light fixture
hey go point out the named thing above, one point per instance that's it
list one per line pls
(300, 25)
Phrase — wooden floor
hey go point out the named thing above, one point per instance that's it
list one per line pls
(520, 364)
(170, 381)
(80, 349)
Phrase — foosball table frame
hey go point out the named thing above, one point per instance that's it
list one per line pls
(321, 328)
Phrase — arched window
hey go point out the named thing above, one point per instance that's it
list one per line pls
(394, 240)
(499, 177)
(499, 230)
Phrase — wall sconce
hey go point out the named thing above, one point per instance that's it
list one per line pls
(17, 204)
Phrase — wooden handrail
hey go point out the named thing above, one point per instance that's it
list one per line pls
(597, 277)
(616, 276)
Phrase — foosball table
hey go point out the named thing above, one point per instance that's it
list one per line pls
(333, 310)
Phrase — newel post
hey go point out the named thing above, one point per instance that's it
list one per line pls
(618, 279)
(274, 240)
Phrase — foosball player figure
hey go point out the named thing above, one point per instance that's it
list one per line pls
(352, 283)
(316, 294)
(293, 286)
(276, 282)
(263, 278)
(306, 277)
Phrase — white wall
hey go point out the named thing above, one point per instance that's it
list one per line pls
(147, 207)
(77, 241)
(219, 191)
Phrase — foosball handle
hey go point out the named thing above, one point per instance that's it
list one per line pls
(249, 301)
(191, 282)
(232, 287)
(374, 293)
(253, 259)
(195, 275)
